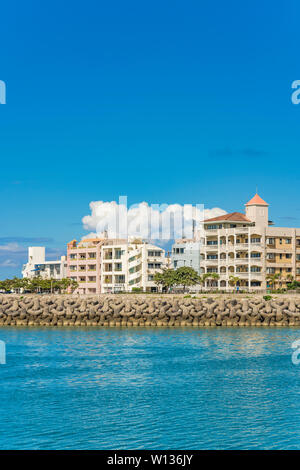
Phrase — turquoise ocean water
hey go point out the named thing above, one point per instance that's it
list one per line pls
(149, 389)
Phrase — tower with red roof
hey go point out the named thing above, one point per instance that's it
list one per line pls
(257, 210)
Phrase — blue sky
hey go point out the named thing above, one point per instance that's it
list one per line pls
(165, 102)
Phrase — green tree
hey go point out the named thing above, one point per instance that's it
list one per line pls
(166, 279)
(203, 278)
(273, 278)
(234, 280)
(212, 277)
(186, 277)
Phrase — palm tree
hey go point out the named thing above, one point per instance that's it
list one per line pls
(213, 277)
(202, 278)
(272, 278)
(234, 280)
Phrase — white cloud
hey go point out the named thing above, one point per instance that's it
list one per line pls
(12, 247)
(154, 222)
(8, 263)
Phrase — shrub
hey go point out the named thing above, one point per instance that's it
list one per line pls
(267, 297)
(137, 290)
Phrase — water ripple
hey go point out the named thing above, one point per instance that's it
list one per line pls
(149, 389)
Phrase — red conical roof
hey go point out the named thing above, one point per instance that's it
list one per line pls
(256, 201)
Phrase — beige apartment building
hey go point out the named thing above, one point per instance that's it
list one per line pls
(108, 266)
(248, 247)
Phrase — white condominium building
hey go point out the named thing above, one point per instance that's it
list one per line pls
(105, 265)
(38, 266)
(247, 246)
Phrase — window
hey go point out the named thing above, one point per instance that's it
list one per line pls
(288, 241)
(118, 253)
(241, 270)
(176, 251)
(288, 270)
(288, 256)
(150, 277)
(270, 270)
(212, 257)
(255, 269)
(271, 241)
(158, 253)
(298, 257)
(255, 240)
(212, 242)
(255, 255)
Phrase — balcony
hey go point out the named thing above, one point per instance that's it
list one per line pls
(241, 246)
(242, 275)
(241, 261)
(212, 247)
(211, 261)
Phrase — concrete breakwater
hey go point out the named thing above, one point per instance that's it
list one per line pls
(141, 311)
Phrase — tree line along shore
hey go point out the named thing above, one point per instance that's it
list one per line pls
(169, 280)
(149, 311)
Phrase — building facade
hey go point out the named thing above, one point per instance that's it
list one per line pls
(247, 247)
(38, 266)
(107, 266)
(186, 253)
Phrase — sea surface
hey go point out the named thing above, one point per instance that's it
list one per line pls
(149, 389)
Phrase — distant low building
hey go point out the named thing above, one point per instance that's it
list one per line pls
(38, 266)
(186, 253)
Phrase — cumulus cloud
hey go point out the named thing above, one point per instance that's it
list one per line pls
(152, 222)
